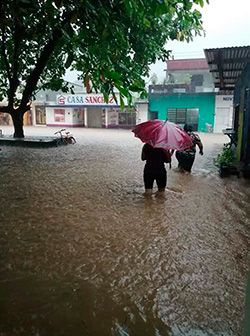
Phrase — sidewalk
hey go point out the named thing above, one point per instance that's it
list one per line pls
(34, 139)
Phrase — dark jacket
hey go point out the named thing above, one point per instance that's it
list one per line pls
(155, 157)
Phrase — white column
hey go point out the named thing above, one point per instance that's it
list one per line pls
(106, 118)
(33, 113)
(85, 116)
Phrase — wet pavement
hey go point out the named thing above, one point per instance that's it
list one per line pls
(83, 252)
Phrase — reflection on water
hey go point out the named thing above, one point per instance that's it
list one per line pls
(69, 307)
(83, 252)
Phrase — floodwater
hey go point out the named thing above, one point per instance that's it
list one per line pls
(83, 252)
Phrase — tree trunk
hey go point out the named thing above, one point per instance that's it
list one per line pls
(17, 117)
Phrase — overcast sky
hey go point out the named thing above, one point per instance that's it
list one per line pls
(227, 24)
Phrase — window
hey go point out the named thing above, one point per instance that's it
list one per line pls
(123, 118)
(197, 80)
(40, 115)
(182, 116)
(192, 116)
(131, 119)
(127, 118)
(59, 115)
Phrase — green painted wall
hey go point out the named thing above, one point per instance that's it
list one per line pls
(205, 102)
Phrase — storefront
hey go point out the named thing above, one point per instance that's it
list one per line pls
(89, 110)
(117, 118)
(64, 116)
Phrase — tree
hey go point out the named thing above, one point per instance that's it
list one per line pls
(111, 42)
(154, 79)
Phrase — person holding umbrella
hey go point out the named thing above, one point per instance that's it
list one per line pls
(154, 169)
(161, 138)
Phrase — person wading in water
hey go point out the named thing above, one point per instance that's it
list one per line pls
(155, 167)
(186, 158)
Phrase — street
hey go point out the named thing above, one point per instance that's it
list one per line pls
(83, 252)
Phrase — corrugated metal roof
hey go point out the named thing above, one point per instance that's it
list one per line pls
(187, 64)
(227, 64)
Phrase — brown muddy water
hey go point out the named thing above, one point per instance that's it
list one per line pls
(83, 252)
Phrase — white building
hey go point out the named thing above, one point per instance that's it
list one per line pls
(223, 112)
(89, 110)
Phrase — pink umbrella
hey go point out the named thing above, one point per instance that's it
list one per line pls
(163, 134)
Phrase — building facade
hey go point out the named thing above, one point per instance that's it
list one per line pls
(88, 110)
(188, 96)
(194, 109)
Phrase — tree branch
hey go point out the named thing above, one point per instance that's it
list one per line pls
(11, 73)
(3, 50)
(17, 38)
(39, 68)
(46, 53)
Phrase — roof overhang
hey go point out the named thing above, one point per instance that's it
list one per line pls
(226, 65)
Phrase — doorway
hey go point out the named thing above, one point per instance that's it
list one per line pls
(94, 117)
(153, 115)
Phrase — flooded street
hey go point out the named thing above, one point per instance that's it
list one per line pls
(83, 252)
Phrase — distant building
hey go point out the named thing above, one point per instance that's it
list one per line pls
(82, 109)
(188, 96)
(189, 75)
(45, 98)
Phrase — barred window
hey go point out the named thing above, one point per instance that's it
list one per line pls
(182, 116)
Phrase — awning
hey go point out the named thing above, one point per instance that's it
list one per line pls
(226, 65)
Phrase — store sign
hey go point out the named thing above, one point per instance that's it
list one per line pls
(86, 100)
(228, 98)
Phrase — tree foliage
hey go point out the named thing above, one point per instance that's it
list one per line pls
(110, 42)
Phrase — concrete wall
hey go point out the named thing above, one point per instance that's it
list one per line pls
(58, 116)
(142, 112)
